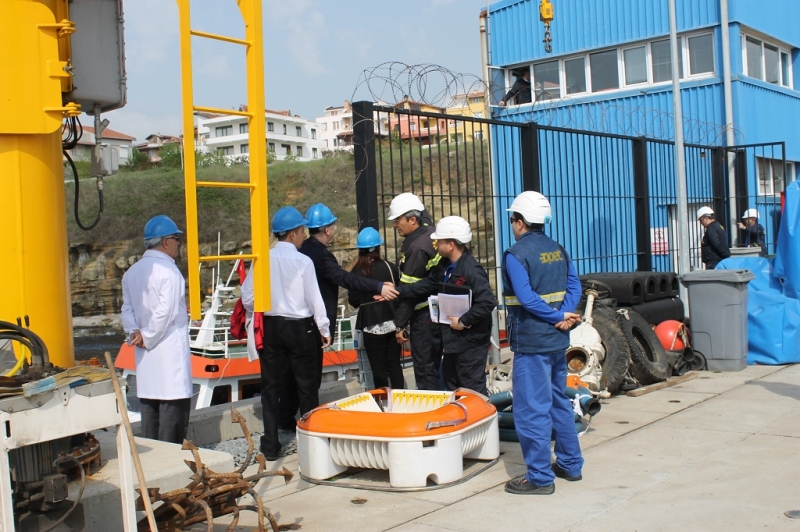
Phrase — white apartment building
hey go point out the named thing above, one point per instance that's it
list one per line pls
(336, 127)
(122, 142)
(287, 135)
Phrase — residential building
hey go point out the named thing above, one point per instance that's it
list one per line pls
(154, 143)
(610, 71)
(336, 127)
(472, 104)
(122, 142)
(422, 129)
(287, 136)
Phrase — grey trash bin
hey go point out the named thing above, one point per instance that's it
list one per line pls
(718, 316)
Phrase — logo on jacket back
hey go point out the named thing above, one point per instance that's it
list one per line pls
(550, 256)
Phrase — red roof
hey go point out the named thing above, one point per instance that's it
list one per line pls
(110, 134)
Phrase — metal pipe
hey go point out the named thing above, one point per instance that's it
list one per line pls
(680, 156)
(728, 95)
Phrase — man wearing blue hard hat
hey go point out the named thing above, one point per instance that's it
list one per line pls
(296, 327)
(154, 316)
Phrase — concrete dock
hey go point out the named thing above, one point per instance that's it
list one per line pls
(719, 452)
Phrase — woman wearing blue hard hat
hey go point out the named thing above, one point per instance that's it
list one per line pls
(376, 318)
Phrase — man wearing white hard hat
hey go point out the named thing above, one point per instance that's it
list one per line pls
(541, 290)
(714, 246)
(752, 231)
(465, 338)
(417, 257)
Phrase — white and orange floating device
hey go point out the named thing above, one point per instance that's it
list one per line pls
(415, 435)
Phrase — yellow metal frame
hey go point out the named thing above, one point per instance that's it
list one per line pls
(257, 140)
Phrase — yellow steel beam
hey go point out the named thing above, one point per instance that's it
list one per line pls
(220, 111)
(223, 184)
(216, 37)
(259, 201)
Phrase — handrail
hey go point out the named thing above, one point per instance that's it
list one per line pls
(216, 37)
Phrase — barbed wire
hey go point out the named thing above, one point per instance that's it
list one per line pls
(435, 85)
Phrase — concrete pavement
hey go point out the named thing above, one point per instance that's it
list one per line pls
(719, 452)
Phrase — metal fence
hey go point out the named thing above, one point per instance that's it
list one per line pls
(613, 196)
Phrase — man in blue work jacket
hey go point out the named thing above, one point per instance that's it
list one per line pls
(541, 290)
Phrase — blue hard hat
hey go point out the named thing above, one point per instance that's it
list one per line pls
(159, 226)
(319, 215)
(286, 219)
(369, 237)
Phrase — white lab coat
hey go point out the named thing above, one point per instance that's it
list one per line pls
(154, 302)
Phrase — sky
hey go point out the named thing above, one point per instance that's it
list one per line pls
(316, 54)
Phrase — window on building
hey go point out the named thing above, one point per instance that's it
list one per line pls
(413, 126)
(313, 133)
(701, 54)
(326, 143)
(604, 71)
(244, 148)
(244, 128)
(635, 60)
(478, 100)
(661, 63)
(575, 72)
(767, 62)
(223, 131)
(270, 126)
(313, 153)
(771, 175)
(477, 114)
(336, 125)
(546, 81)
(271, 147)
(284, 129)
(299, 131)
(299, 151)
(225, 150)
(286, 149)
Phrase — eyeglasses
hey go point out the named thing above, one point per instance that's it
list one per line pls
(513, 220)
(175, 238)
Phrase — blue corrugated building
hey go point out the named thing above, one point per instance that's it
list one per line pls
(610, 72)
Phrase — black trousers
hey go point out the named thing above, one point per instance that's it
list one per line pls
(426, 350)
(466, 369)
(293, 342)
(384, 354)
(165, 420)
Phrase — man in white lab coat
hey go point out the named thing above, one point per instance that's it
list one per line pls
(154, 315)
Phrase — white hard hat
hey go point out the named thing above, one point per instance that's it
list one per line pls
(533, 206)
(453, 228)
(750, 213)
(704, 211)
(403, 203)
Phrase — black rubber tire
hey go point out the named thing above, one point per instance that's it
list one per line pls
(649, 363)
(618, 355)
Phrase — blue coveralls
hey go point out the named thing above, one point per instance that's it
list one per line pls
(540, 284)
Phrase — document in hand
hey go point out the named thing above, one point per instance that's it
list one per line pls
(445, 306)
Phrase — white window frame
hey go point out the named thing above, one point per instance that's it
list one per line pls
(788, 83)
(788, 172)
(225, 130)
(687, 64)
(244, 127)
(683, 50)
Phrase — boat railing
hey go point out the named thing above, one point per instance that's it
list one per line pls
(218, 347)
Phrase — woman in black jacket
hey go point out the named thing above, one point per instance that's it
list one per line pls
(376, 318)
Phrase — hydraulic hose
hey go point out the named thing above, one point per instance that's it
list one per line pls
(20, 362)
(63, 518)
(589, 404)
(501, 400)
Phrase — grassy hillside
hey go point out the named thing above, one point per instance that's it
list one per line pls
(131, 198)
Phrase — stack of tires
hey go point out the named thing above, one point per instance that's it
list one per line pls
(626, 306)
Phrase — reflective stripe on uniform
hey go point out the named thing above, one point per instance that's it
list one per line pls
(553, 297)
(433, 262)
(421, 305)
(408, 279)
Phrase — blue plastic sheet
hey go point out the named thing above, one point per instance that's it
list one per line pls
(773, 318)
(787, 256)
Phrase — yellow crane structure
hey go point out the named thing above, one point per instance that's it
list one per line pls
(39, 65)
